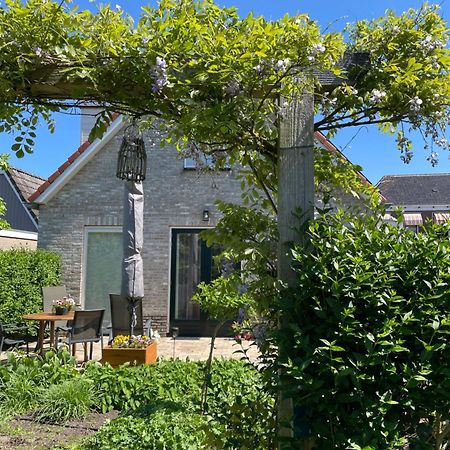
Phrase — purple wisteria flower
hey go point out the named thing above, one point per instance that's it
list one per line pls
(429, 43)
(282, 64)
(233, 88)
(315, 50)
(160, 80)
(258, 68)
(433, 159)
(283, 109)
(415, 104)
(377, 96)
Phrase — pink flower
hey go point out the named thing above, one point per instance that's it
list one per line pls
(248, 336)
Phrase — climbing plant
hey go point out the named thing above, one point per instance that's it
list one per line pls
(211, 80)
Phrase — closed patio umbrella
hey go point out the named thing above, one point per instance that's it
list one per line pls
(132, 167)
(133, 237)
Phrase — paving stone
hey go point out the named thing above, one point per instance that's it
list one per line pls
(194, 349)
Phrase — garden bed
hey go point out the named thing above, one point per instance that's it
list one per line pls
(118, 356)
(23, 432)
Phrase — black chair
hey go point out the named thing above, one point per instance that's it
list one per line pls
(50, 293)
(13, 336)
(86, 328)
(120, 318)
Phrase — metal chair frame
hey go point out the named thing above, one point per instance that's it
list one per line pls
(95, 325)
(119, 310)
(50, 293)
(10, 329)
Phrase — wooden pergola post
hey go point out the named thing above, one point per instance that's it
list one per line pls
(295, 179)
(295, 207)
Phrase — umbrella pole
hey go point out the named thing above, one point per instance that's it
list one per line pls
(133, 315)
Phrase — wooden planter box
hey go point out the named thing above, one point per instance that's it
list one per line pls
(119, 356)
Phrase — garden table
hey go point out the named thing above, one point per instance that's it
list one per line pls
(44, 317)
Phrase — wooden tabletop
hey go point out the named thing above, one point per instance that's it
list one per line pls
(49, 316)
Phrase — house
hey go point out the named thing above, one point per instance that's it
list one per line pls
(420, 197)
(16, 186)
(80, 218)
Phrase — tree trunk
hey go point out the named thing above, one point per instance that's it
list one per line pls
(207, 380)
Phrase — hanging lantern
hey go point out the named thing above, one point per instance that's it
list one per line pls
(132, 161)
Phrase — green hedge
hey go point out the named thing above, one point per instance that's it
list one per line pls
(367, 335)
(23, 273)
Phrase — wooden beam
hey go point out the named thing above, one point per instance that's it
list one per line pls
(295, 207)
(295, 179)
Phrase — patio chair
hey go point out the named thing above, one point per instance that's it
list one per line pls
(13, 336)
(120, 318)
(50, 293)
(86, 328)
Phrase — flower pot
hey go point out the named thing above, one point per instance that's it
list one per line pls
(118, 356)
(60, 311)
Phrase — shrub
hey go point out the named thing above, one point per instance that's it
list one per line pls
(165, 396)
(174, 430)
(366, 331)
(240, 408)
(129, 387)
(23, 379)
(72, 399)
(22, 275)
(18, 395)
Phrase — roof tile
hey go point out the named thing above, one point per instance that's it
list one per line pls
(422, 189)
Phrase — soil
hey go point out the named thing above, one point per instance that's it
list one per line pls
(22, 433)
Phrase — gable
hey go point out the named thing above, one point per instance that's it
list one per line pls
(85, 153)
(17, 213)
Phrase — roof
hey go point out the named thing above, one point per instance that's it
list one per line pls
(25, 182)
(327, 144)
(87, 150)
(423, 189)
(15, 186)
(352, 64)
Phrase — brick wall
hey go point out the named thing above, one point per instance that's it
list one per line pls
(174, 198)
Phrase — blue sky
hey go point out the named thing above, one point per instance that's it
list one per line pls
(375, 152)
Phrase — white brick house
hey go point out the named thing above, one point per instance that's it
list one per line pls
(80, 209)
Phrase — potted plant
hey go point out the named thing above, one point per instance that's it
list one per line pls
(132, 349)
(63, 305)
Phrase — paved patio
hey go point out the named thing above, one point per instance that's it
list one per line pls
(194, 349)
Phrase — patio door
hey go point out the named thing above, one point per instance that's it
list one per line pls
(103, 268)
(192, 263)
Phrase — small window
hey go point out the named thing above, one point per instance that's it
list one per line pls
(190, 164)
(203, 162)
(413, 228)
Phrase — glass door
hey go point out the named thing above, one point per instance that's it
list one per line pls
(103, 269)
(191, 264)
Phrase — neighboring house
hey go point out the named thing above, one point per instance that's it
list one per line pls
(80, 218)
(16, 186)
(420, 197)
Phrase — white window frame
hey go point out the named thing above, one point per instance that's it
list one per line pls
(92, 229)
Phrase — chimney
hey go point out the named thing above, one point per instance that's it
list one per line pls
(88, 118)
